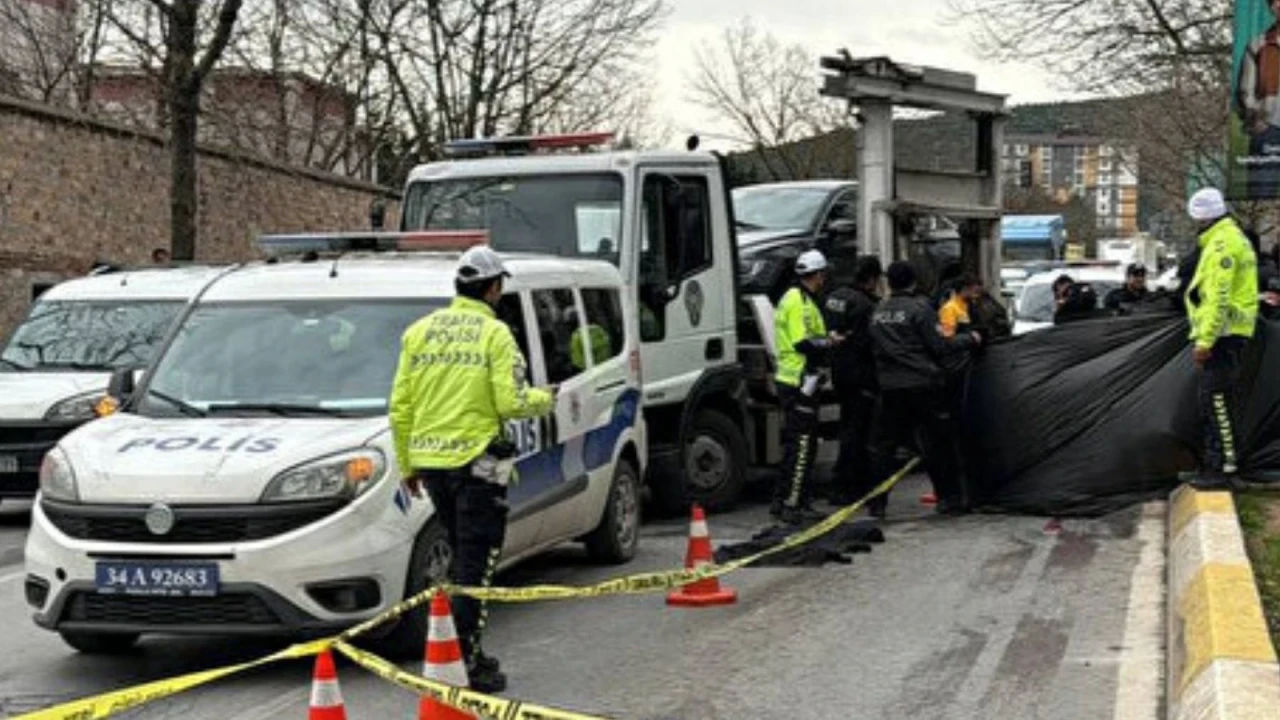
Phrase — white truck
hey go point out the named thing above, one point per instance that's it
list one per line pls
(665, 219)
(1141, 249)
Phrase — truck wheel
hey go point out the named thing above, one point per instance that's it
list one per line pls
(428, 565)
(713, 466)
(616, 538)
(100, 643)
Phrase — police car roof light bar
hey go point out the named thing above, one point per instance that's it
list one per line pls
(338, 243)
(523, 145)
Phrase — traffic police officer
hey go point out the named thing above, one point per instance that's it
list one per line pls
(460, 376)
(803, 346)
(1222, 306)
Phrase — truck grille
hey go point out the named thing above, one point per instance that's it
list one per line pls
(230, 609)
(192, 524)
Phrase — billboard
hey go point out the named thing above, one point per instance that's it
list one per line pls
(1253, 157)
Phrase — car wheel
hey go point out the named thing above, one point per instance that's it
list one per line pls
(712, 470)
(101, 643)
(616, 538)
(429, 565)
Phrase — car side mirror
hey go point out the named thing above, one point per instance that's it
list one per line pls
(842, 228)
(123, 382)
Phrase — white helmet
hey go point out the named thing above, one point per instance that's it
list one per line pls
(480, 263)
(809, 262)
(1207, 204)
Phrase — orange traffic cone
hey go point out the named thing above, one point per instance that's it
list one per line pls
(703, 592)
(443, 662)
(326, 697)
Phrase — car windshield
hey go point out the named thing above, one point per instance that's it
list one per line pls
(284, 357)
(565, 215)
(773, 208)
(89, 335)
(1035, 303)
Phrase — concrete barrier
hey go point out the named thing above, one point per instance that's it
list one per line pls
(1222, 664)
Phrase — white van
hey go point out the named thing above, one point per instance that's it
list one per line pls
(248, 486)
(55, 365)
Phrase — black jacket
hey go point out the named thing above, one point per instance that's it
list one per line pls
(848, 312)
(1121, 297)
(910, 351)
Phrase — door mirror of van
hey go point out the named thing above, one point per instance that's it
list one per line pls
(122, 383)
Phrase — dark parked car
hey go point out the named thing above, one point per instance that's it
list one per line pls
(778, 221)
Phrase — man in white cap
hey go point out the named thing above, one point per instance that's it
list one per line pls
(461, 375)
(803, 345)
(1222, 307)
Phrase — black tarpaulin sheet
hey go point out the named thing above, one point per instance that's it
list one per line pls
(1089, 417)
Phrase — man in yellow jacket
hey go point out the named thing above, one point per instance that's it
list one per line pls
(460, 376)
(1222, 307)
(803, 345)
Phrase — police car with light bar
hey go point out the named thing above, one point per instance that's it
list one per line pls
(248, 485)
(56, 363)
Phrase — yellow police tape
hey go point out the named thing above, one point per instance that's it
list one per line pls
(108, 704)
(486, 706)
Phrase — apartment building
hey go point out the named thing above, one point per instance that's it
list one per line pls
(1101, 171)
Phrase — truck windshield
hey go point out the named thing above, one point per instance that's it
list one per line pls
(566, 215)
(778, 208)
(294, 357)
(97, 335)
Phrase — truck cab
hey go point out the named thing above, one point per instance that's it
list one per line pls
(665, 220)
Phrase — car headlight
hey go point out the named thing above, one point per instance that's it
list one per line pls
(78, 408)
(344, 475)
(57, 479)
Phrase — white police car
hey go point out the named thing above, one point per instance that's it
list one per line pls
(54, 367)
(248, 485)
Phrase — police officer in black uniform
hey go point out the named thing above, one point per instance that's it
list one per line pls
(853, 373)
(910, 354)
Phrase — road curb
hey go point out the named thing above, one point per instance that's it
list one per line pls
(1221, 663)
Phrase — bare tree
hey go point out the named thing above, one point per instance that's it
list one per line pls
(766, 94)
(1173, 56)
(40, 46)
(171, 34)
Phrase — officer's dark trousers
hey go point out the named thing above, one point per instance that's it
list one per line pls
(1217, 386)
(800, 440)
(902, 413)
(853, 465)
(474, 514)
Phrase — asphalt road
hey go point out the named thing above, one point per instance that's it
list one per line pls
(975, 617)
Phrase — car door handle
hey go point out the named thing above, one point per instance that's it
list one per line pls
(611, 386)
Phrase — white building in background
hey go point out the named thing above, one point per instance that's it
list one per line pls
(38, 49)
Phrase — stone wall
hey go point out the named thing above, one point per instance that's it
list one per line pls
(74, 190)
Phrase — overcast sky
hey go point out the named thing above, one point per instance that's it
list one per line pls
(921, 32)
